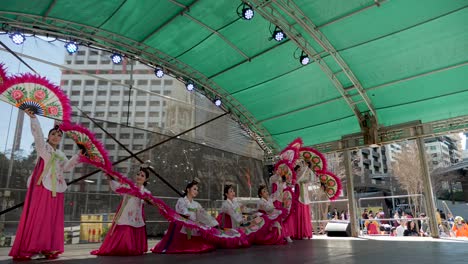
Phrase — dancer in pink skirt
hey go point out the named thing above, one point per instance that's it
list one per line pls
(127, 236)
(41, 226)
(181, 239)
(301, 209)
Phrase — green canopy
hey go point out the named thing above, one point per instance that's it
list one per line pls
(388, 62)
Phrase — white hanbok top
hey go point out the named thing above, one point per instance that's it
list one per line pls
(305, 176)
(233, 209)
(276, 181)
(55, 162)
(195, 212)
(266, 205)
(131, 209)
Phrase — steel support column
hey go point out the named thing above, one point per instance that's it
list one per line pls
(350, 193)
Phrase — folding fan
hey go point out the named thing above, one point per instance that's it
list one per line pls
(314, 157)
(36, 93)
(93, 151)
(330, 184)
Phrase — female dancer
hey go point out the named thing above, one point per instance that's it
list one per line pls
(303, 226)
(127, 236)
(265, 206)
(179, 239)
(40, 230)
(257, 230)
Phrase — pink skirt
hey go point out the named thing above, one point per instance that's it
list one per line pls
(41, 226)
(175, 242)
(124, 240)
(303, 227)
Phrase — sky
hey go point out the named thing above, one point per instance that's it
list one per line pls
(53, 52)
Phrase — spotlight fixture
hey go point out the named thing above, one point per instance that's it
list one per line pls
(159, 72)
(304, 59)
(17, 38)
(247, 12)
(71, 47)
(278, 34)
(217, 102)
(116, 58)
(190, 86)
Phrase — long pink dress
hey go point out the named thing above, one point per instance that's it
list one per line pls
(127, 236)
(179, 239)
(276, 216)
(41, 226)
(301, 209)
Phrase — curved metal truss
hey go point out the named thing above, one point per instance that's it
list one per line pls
(279, 12)
(148, 55)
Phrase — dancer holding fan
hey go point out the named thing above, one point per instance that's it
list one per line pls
(127, 236)
(40, 230)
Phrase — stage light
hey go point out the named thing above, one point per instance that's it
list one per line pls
(159, 72)
(247, 12)
(278, 34)
(217, 102)
(71, 47)
(17, 38)
(304, 59)
(190, 86)
(116, 58)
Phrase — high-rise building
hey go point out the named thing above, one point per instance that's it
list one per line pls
(443, 151)
(128, 113)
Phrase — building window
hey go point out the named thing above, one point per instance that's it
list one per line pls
(89, 93)
(93, 52)
(76, 82)
(155, 103)
(115, 93)
(166, 92)
(87, 103)
(111, 125)
(124, 136)
(167, 82)
(68, 147)
(137, 147)
(101, 93)
(142, 82)
(141, 103)
(113, 114)
(99, 114)
(75, 93)
(138, 136)
(81, 53)
(100, 103)
(89, 82)
(154, 114)
(98, 135)
(155, 82)
(110, 146)
(92, 62)
(114, 103)
(102, 82)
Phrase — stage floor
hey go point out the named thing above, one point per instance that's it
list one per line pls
(375, 250)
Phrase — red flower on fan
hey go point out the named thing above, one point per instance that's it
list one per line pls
(88, 144)
(17, 94)
(39, 94)
(53, 110)
(331, 183)
(96, 159)
(315, 160)
(331, 191)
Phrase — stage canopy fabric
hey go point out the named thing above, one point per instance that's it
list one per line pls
(400, 60)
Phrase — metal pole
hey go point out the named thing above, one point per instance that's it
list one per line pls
(428, 194)
(350, 192)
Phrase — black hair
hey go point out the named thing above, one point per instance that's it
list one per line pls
(260, 188)
(190, 185)
(146, 172)
(226, 190)
(55, 128)
(297, 167)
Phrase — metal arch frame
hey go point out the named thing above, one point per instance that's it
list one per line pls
(272, 14)
(144, 53)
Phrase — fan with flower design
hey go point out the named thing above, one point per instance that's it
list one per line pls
(35, 93)
(330, 184)
(284, 169)
(92, 149)
(313, 157)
